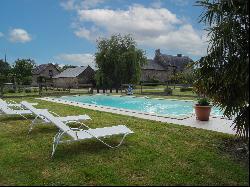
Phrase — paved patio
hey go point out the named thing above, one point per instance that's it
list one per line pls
(214, 124)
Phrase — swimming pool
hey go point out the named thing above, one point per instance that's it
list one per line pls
(163, 107)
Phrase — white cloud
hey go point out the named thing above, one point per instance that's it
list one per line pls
(77, 4)
(84, 59)
(1, 34)
(68, 5)
(156, 4)
(19, 35)
(89, 34)
(151, 27)
(181, 2)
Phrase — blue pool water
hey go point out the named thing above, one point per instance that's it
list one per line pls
(166, 107)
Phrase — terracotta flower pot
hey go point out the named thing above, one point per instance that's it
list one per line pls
(202, 112)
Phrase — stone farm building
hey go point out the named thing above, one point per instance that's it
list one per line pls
(74, 77)
(163, 66)
(43, 74)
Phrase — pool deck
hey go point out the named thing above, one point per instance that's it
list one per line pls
(217, 124)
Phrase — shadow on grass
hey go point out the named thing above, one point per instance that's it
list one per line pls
(8, 118)
(66, 150)
(42, 129)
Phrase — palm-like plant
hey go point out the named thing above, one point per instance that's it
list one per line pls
(223, 75)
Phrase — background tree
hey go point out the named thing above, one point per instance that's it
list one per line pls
(66, 67)
(118, 61)
(22, 70)
(186, 76)
(5, 69)
(223, 75)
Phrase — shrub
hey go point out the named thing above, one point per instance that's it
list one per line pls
(185, 89)
(35, 90)
(168, 91)
(20, 90)
(152, 82)
(27, 90)
(203, 102)
(11, 90)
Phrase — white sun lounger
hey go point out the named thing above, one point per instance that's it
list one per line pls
(77, 134)
(6, 109)
(38, 113)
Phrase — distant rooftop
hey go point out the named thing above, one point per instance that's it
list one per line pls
(40, 68)
(153, 65)
(163, 61)
(71, 72)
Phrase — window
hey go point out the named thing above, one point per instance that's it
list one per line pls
(50, 73)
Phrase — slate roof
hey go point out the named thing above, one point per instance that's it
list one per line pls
(166, 61)
(153, 65)
(40, 68)
(71, 72)
(177, 61)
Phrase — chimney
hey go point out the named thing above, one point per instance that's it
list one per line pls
(179, 55)
(157, 52)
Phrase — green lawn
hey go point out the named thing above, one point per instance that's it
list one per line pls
(157, 154)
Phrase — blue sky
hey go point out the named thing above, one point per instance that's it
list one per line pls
(65, 31)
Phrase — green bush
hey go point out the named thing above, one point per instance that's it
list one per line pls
(11, 90)
(35, 90)
(203, 102)
(20, 90)
(27, 90)
(185, 89)
(168, 91)
(152, 82)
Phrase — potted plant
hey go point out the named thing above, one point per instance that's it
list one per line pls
(203, 109)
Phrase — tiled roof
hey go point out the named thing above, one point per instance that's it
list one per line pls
(71, 72)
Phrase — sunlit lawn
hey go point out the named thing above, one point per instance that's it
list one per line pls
(156, 154)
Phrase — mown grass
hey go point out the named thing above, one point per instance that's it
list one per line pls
(156, 154)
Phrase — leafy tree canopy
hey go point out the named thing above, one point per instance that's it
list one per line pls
(22, 70)
(118, 61)
(4, 71)
(223, 75)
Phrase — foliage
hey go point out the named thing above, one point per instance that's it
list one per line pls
(186, 76)
(11, 90)
(223, 75)
(168, 91)
(27, 90)
(22, 70)
(66, 67)
(4, 71)
(203, 102)
(118, 61)
(186, 89)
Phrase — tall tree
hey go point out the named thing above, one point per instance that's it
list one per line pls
(223, 75)
(5, 69)
(22, 70)
(118, 61)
